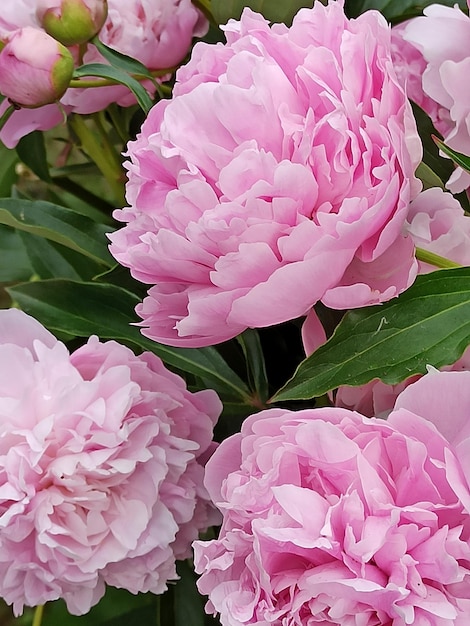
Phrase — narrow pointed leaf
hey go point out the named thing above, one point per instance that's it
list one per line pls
(122, 61)
(100, 70)
(58, 224)
(429, 324)
(457, 157)
(84, 309)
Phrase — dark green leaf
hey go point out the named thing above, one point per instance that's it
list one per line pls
(117, 608)
(51, 260)
(122, 61)
(8, 159)
(14, 263)
(457, 157)
(429, 324)
(32, 151)
(441, 167)
(396, 10)
(99, 70)
(188, 602)
(58, 224)
(275, 11)
(84, 309)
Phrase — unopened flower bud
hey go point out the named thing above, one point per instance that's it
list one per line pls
(35, 69)
(72, 21)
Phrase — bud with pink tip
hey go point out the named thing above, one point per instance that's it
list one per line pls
(35, 69)
(72, 21)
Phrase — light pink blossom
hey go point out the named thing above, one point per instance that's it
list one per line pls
(333, 518)
(158, 33)
(101, 468)
(279, 174)
(432, 56)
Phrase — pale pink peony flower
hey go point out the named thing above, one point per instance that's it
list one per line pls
(334, 518)
(35, 69)
(101, 468)
(432, 56)
(279, 174)
(158, 33)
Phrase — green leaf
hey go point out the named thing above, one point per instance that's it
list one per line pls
(117, 608)
(32, 151)
(84, 309)
(188, 602)
(8, 159)
(52, 260)
(457, 157)
(122, 61)
(14, 264)
(440, 166)
(58, 224)
(396, 10)
(428, 177)
(252, 351)
(100, 70)
(429, 324)
(275, 11)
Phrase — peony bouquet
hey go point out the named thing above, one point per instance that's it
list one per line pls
(234, 313)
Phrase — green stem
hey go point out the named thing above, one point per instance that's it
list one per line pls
(435, 259)
(38, 613)
(102, 152)
(6, 115)
(80, 83)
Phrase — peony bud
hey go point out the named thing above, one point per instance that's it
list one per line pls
(72, 21)
(35, 69)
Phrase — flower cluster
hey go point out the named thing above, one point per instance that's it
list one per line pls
(101, 468)
(333, 518)
(280, 181)
(284, 152)
(156, 33)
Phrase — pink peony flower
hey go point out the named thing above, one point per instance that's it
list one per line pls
(279, 174)
(333, 518)
(44, 65)
(156, 32)
(101, 468)
(432, 56)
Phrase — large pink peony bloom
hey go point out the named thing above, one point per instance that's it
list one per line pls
(101, 468)
(279, 174)
(432, 55)
(156, 32)
(333, 518)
